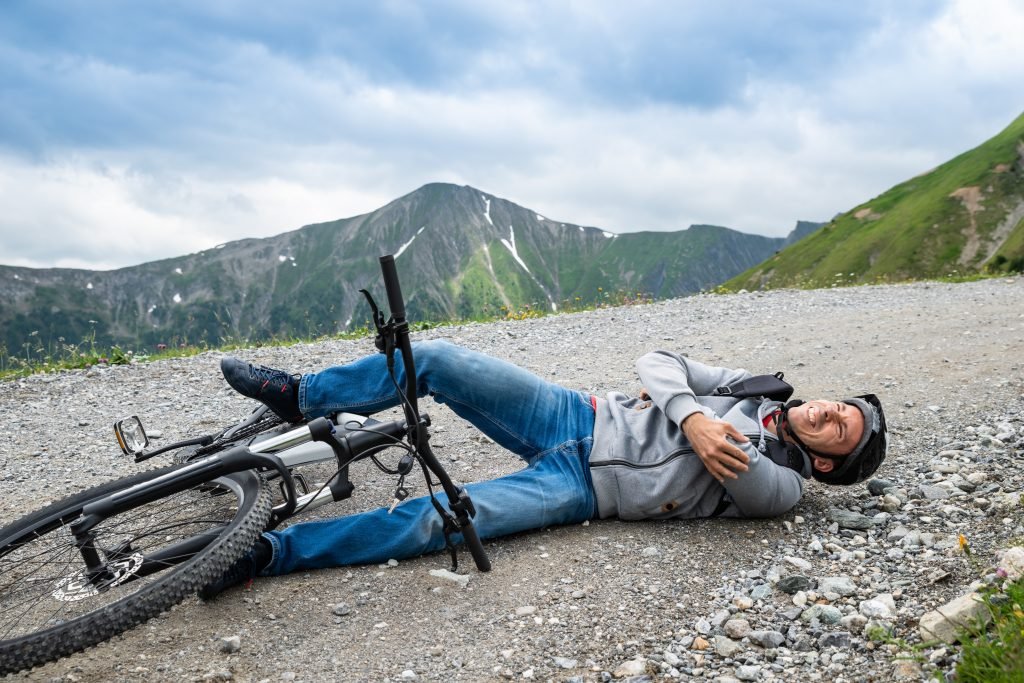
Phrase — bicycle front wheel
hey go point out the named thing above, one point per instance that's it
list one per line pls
(154, 556)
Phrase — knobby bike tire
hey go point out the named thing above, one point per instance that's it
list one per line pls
(46, 611)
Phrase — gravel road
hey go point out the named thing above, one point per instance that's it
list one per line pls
(676, 600)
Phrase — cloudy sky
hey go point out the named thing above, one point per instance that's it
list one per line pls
(133, 131)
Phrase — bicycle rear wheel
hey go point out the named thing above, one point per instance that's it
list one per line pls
(156, 554)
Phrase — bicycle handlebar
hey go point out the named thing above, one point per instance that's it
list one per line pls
(455, 497)
(393, 288)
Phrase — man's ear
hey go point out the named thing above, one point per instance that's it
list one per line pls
(823, 465)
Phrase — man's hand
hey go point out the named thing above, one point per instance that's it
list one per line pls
(708, 438)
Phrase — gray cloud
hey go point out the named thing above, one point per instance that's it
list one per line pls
(156, 134)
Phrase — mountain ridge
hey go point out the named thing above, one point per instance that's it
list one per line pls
(462, 253)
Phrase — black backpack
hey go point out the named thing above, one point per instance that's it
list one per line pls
(770, 386)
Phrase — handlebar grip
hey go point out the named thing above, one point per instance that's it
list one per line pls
(476, 548)
(391, 285)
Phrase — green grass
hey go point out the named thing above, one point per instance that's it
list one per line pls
(915, 230)
(995, 654)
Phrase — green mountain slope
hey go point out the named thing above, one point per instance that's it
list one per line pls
(966, 216)
(461, 253)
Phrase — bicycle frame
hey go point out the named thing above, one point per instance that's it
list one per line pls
(346, 438)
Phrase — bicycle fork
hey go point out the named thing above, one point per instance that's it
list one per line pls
(121, 564)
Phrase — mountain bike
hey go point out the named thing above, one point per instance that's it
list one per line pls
(100, 562)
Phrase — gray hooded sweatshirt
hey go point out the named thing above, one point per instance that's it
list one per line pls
(643, 467)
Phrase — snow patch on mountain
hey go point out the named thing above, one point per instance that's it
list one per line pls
(406, 245)
(487, 210)
(510, 244)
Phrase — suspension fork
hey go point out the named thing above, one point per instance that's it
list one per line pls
(458, 500)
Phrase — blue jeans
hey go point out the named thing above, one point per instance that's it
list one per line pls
(551, 428)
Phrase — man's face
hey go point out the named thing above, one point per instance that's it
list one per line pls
(827, 427)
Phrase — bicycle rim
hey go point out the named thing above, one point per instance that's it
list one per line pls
(156, 554)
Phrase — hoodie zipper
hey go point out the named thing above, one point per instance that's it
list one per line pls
(674, 455)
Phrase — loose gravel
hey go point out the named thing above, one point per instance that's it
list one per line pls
(751, 600)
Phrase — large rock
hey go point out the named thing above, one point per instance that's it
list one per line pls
(840, 585)
(943, 623)
(847, 519)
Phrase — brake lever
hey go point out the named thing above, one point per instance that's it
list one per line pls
(378, 322)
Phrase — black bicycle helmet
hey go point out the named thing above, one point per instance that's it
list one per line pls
(864, 459)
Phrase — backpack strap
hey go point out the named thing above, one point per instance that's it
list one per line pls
(770, 386)
(723, 504)
(785, 456)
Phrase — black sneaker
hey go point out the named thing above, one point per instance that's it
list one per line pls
(275, 388)
(244, 570)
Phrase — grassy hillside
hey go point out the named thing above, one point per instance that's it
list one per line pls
(966, 216)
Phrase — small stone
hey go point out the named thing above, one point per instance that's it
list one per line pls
(230, 644)
(742, 602)
(890, 503)
(792, 584)
(850, 520)
(720, 617)
(826, 614)
(565, 663)
(634, 667)
(727, 647)
(341, 609)
(853, 622)
(933, 492)
(877, 487)
(748, 672)
(652, 551)
(525, 610)
(906, 669)
(793, 613)
(737, 628)
(798, 562)
(1011, 563)
(760, 591)
(841, 585)
(913, 538)
(766, 639)
(835, 639)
